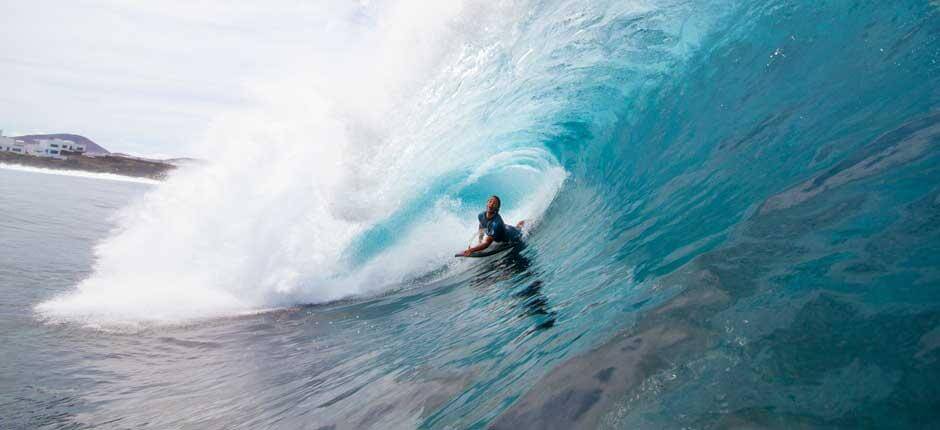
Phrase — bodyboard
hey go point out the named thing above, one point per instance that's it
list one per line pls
(492, 249)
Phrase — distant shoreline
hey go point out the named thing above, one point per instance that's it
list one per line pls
(78, 174)
(99, 164)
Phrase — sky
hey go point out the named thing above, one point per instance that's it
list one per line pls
(147, 77)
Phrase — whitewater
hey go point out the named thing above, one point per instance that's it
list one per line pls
(79, 174)
(734, 223)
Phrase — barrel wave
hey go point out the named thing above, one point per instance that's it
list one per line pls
(734, 210)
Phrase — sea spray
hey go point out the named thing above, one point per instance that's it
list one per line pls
(324, 159)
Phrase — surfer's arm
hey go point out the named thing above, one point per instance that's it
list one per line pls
(480, 235)
(483, 245)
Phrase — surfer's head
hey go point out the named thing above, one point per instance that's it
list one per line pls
(493, 204)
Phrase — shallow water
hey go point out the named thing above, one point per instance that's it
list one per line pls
(736, 212)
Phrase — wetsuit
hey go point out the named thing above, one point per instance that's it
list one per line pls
(497, 229)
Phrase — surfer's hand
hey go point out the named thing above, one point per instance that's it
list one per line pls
(467, 252)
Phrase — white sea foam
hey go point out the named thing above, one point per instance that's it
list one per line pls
(78, 174)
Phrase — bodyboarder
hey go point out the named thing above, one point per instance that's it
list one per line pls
(493, 229)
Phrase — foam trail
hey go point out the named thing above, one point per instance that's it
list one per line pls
(79, 174)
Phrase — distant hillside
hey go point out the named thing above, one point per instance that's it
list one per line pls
(90, 146)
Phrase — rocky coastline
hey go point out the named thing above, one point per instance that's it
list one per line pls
(115, 164)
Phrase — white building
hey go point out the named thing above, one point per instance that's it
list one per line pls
(10, 144)
(55, 148)
(41, 148)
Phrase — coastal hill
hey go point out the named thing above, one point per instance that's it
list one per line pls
(95, 159)
(90, 146)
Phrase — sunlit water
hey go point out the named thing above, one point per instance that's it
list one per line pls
(736, 222)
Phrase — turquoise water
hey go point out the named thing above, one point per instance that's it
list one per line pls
(735, 210)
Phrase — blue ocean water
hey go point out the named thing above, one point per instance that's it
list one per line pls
(735, 224)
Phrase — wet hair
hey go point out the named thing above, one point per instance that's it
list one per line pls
(499, 203)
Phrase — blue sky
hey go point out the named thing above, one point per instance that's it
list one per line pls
(147, 77)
